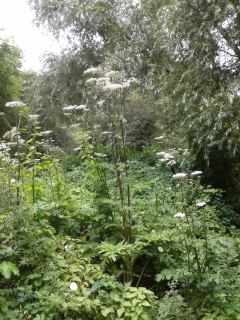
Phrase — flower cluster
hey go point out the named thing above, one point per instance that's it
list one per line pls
(180, 176)
(196, 173)
(92, 70)
(73, 286)
(34, 117)
(179, 215)
(201, 204)
(105, 83)
(165, 156)
(160, 138)
(75, 108)
(15, 104)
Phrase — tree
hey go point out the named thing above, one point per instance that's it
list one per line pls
(202, 39)
(10, 80)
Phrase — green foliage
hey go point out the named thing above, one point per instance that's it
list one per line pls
(7, 269)
(121, 227)
(11, 80)
(64, 256)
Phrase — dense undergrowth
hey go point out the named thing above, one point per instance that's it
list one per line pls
(99, 218)
(65, 253)
(110, 232)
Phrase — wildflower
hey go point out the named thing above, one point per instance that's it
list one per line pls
(196, 173)
(180, 176)
(111, 74)
(100, 155)
(21, 141)
(11, 134)
(75, 125)
(15, 104)
(133, 80)
(201, 204)
(105, 133)
(91, 81)
(82, 107)
(161, 154)
(45, 133)
(11, 144)
(112, 87)
(69, 108)
(92, 70)
(129, 82)
(126, 84)
(101, 103)
(180, 215)
(102, 81)
(171, 163)
(66, 247)
(34, 117)
(73, 286)
(165, 156)
(169, 156)
(3, 147)
(159, 138)
(13, 181)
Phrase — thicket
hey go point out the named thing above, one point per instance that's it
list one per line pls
(119, 171)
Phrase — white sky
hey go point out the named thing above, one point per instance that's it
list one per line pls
(16, 19)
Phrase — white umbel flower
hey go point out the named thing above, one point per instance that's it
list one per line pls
(100, 103)
(69, 108)
(112, 87)
(112, 74)
(130, 82)
(81, 107)
(46, 133)
(159, 138)
(92, 70)
(91, 81)
(179, 215)
(201, 204)
(171, 163)
(34, 117)
(100, 155)
(105, 133)
(15, 104)
(3, 147)
(196, 173)
(73, 286)
(180, 176)
(165, 156)
(103, 81)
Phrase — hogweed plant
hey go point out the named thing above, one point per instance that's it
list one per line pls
(22, 154)
(16, 142)
(192, 216)
(113, 91)
(106, 99)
